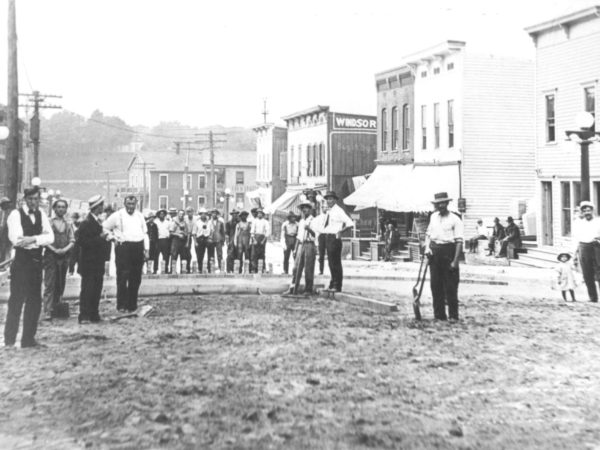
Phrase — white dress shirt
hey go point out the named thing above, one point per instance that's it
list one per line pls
(15, 230)
(200, 230)
(127, 227)
(482, 230)
(260, 226)
(445, 229)
(585, 231)
(303, 235)
(336, 220)
(163, 228)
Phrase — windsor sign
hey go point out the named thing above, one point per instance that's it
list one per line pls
(352, 122)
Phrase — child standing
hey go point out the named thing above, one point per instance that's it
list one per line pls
(566, 275)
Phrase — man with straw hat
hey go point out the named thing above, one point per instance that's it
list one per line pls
(443, 246)
(307, 251)
(586, 233)
(289, 232)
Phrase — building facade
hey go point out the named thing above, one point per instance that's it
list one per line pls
(566, 83)
(161, 180)
(271, 157)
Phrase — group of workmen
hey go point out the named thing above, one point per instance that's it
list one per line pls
(43, 249)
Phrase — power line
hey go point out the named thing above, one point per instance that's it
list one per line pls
(132, 130)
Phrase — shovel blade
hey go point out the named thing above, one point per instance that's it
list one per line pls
(417, 310)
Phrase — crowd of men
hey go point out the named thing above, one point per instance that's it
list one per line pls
(48, 247)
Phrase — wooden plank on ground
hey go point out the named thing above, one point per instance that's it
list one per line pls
(358, 300)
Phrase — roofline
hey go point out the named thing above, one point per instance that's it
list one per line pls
(565, 20)
(314, 109)
(267, 126)
(404, 68)
(442, 49)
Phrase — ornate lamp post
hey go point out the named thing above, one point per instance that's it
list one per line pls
(584, 137)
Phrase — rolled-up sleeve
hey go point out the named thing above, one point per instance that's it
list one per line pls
(459, 230)
(47, 236)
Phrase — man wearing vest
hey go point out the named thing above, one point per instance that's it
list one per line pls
(443, 247)
(260, 231)
(127, 228)
(230, 239)
(336, 222)
(217, 238)
(28, 230)
(93, 246)
(289, 233)
(307, 252)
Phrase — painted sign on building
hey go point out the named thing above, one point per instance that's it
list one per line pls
(354, 122)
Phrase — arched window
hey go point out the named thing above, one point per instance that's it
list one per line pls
(383, 130)
(405, 127)
(315, 155)
(309, 161)
(395, 125)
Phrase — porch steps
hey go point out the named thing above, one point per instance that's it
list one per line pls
(541, 257)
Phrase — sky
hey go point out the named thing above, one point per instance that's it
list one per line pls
(210, 62)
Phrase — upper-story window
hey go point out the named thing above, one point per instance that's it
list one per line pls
(436, 70)
(292, 162)
(383, 130)
(395, 125)
(239, 177)
(424, 74)
(309, 160)
(315, 155)
(163, 181)
(187, 182)
(590, 102)
(436, 125)
(424, 127)
(405, 127)
(321, 165)
(299, 169)
(450, 123)
(201, 181)
(550, 123)
(450, 66)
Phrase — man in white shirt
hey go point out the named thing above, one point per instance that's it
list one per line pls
(29, 231)
(482, 233)
(443, 247)
(289, 234)
(259, 233)
(336, 222)
(307, 251)
(132, 245)
(164, 239)
(319, 225)
(201, 235)
(586, 235)
(177, 229)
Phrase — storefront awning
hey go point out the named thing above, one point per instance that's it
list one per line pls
(259, 196)
(290, 199)
(406, 188)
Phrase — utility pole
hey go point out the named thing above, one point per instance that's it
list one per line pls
(36, 99)
(186, 166)
(210, 138)
(265, 112)
(12, 110)
(145, 167)
(107, 173)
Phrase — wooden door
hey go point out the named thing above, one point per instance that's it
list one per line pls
(547, 218)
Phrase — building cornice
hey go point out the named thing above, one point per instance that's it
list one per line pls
(436, 52)
(306, 112)
(565, 21)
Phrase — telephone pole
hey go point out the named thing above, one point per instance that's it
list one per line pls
(36, 99)
(186, 166)
(12, 110)
(265, 112)
(212, 139)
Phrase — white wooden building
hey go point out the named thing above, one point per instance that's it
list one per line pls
(566, 82)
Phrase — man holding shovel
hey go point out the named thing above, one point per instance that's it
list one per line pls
(443, 247)
(306, 252)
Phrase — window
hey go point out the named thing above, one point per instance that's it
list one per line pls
(292, 160)
(590, 102)
(383, 130)
(424, 74)
(436, 124)
(315, 155)
(321, 159)
(299, 168)
(309, 161)
(201, 201)
(187, 182)
(450, 66)
(201, 181)
(283, 166)
(220, 175)
(424, 127)
(163, 202)
(450, 123)
(239, 177)
(550, 125)
(436, 71)
(239, 199)
(405, 127)
(163, 181)
(576, 193)
(395, 128)
(565, 193)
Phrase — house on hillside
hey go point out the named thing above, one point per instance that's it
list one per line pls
(178, 179)
(566, 83)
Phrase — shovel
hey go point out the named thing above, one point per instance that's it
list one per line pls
(417, 289)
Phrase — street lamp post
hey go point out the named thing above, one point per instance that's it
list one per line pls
(584, 137)
(227, 197)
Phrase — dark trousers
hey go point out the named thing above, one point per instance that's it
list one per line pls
(322, 250)
(129, 258)
(334, 258)
(290, 245)
(258, 253)
(73, 257)
(243, 254)
(25, 289)
(89, 296)
(55, 276)
(202, 247)
(444, 281)
(178, 249)
(216, 251)
(305, 260)
(589, 256)
(231, 256)
(474, 243)
(164, 249)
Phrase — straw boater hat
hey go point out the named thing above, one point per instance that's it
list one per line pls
(331, 194)
(305, 203)
(202, 211)
(560, 255)
(161, 210)
(441, 197)
(95, 201)
(586, 203)
(4, 200)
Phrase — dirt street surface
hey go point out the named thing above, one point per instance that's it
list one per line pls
(267, 372)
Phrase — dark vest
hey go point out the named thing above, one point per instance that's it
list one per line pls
(30, 229)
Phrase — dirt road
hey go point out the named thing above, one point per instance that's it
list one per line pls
(266, 372)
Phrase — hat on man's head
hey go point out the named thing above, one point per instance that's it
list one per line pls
(31, 191)
(4, 200)
(189, 208)
(253, 210)
(292, 214)
(161, 210)
(202, 211)
(441, 197)
(496, 220)
(233, 212)
(149, 215)
(244, 213)
(172, 210)
(561, 255)
(260, 210)
(305, 204)
(95, 200)
(214, 210)
(330, 194)
(586, 204)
